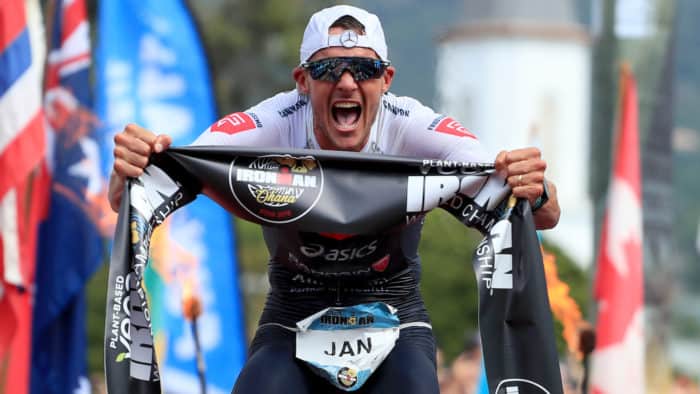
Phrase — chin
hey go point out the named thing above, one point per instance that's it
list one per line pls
(348, 145)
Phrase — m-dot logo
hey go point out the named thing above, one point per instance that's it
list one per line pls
(276, 189)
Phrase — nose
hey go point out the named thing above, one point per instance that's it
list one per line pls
(346, 82)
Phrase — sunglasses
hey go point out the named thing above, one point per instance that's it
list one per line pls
(332, 68)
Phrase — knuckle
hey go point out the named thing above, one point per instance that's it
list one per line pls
(118, 153)
(119, 167)
(500, 158)
(142, 161)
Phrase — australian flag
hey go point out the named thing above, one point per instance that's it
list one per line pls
(70, 239)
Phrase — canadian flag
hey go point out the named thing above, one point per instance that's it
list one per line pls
(618, 358)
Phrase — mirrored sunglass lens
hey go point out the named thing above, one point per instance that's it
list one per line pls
(321, 69)
(366, 69)
(332, 69)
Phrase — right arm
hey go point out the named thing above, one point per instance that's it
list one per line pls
(261, 126)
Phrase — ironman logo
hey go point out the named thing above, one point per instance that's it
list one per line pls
(276, 189)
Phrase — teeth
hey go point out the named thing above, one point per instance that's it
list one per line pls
(345, 105)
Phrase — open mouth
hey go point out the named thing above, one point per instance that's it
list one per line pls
(346, 114)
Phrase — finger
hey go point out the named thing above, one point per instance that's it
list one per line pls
(531, 178)
(162, 142)
(515, 181)
(527, 167)
(139, 132)
(501, 162)
(522, 154)
(529, 192)
(130, 157)
(126, 169)
(132, 144)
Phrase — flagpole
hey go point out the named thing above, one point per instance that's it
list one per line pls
(586, 344)
(200, 359)
(192, 309)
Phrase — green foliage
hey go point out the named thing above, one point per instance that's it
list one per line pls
(252, 262)
(96, 292)
(252, 47)
(449, 284)
(448, 281)
(686, 326)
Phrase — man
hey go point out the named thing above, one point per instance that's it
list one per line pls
(341, 102)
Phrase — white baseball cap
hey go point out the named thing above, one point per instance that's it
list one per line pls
(316, 35)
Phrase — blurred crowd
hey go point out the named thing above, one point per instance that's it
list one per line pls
(463, 374)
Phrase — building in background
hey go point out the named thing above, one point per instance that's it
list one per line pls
(517, 73)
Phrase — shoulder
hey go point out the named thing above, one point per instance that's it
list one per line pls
(413, 129)
(424, 118)
(264, 124)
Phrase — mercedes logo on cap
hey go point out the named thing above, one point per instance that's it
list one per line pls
(349, 39)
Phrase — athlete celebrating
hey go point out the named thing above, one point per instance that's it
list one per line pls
(342, 102)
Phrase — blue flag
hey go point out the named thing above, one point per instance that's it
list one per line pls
(152, 71)
(70, 245)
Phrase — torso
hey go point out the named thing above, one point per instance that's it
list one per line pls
(311, 271)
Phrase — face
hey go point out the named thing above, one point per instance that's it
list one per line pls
(344, 110)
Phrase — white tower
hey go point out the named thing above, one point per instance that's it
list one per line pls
(517, 73)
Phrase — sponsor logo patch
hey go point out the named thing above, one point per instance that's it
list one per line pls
(234, 123)
(381, 264)
(360, 251)
(450, 126)
(276, 189)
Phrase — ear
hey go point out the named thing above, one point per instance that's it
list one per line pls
(388, 77)
(302, 79)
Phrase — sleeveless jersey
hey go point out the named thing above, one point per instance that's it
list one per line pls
(311, 271)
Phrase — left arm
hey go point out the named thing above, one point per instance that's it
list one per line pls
(524, 171)
(426, 134)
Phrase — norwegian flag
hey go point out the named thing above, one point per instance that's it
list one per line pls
(618, 359)
(70, 242)
(21, 150)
